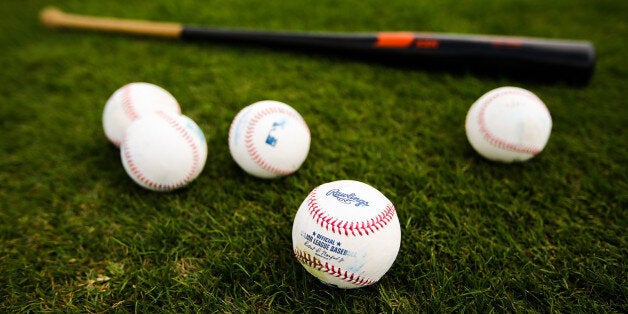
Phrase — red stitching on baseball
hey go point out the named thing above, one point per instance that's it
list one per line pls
(127, 108)
(127, 102)
(495, 140)
(354, 228)
(114, 141)
(337, 272)
(250, 144)
(195, 158)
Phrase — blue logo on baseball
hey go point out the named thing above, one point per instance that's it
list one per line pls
(270, 139)
(347, 198)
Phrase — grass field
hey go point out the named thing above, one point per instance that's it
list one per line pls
(78, 235)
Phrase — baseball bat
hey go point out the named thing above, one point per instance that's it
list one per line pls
(544, 58)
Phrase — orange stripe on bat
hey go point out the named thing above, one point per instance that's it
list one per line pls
(394, 40)
(427, 43)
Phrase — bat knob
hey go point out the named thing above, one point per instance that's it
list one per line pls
(51, 16)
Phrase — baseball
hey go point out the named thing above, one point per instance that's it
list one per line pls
(346, 233)
(129, 103)
(163, 151)
(508, 124)
(269, 139)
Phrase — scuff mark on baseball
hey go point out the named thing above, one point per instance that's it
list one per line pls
(163, 151)
(508, 124)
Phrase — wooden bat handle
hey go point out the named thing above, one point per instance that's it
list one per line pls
(55, 18)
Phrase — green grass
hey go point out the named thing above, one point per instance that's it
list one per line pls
(77, 235)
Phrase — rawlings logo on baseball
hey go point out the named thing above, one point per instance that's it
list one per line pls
(347, 198)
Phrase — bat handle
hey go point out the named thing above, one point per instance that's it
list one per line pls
(55, 18)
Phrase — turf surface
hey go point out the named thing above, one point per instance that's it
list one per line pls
(77, 235)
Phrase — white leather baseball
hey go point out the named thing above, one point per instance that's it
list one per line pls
(163, 151)
(269, 139)
(346, 233)
(508, 124)
(129, 103)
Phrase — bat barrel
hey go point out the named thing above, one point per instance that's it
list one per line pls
(545, 58)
